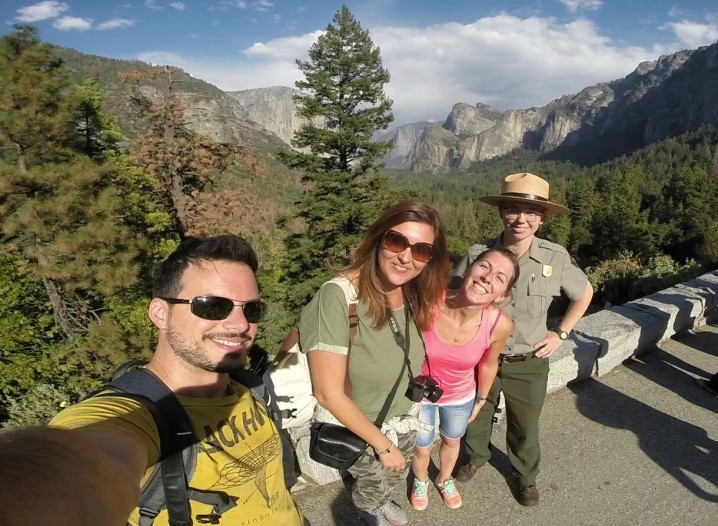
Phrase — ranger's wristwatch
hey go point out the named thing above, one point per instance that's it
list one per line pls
(561, 334)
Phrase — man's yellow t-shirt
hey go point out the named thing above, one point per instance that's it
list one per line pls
(239, 453)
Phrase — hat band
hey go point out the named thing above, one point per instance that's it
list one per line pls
(525, 196)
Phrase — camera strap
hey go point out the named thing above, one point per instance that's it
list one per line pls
(403, 341)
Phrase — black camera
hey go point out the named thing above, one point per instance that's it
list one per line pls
(424, 387)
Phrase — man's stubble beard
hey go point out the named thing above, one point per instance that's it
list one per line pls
(197, 354)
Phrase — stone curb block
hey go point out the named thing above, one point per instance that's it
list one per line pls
(574, 360)
(621, 332)
(705, 287)
(677, 308)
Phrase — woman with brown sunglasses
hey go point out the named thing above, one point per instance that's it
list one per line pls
(398, 274)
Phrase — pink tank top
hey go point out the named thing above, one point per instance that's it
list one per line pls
(452, 366)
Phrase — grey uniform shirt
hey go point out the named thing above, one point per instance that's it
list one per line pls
(546, 269)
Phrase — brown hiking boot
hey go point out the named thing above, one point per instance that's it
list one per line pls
(528, 495)
(466, 472)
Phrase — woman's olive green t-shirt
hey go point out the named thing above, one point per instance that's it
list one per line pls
(375, 359)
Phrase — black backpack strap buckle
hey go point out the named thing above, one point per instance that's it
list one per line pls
(209, 518)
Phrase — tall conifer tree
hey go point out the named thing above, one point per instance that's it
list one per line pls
(344, 103)
(59, 210)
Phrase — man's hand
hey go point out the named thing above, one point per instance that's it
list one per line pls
(81, 485)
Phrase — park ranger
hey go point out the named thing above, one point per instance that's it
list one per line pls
(546, 270)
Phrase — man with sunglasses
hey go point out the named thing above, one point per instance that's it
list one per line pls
(99, 452)
(546, 270)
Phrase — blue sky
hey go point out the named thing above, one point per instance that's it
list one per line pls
(508, 54)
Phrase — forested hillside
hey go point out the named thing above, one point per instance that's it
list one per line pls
(90, 204)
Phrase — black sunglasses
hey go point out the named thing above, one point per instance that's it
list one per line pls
(397, 242)
(218, 308)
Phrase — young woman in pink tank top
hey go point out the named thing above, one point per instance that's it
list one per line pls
(462, 356)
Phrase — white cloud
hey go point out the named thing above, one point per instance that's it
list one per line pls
(574, 5)
(240, 4)
(41, 11)
(263, 5)
(72, 23)
(150, 4)
(115, 23)
(504, 61)
(179, 6)
(287, 48)
(694, 34)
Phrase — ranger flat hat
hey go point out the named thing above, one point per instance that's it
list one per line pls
(525, 188)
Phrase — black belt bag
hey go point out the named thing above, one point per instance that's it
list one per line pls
(335, 446)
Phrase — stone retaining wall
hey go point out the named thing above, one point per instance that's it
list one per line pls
(598, 343)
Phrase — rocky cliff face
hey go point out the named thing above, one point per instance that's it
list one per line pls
(465, 119)
(209, 111)
(403, 140)
(274, 109)
(436, 150)
(671, 95)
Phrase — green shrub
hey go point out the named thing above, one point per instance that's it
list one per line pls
(625, 278)
(38, 406)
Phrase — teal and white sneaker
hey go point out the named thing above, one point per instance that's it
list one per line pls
(419, 497)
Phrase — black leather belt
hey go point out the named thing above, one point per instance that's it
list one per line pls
(511, 358)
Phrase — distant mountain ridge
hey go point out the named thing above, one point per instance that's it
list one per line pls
(659, 99)
(210, 111)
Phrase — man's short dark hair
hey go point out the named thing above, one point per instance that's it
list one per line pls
(194, 251)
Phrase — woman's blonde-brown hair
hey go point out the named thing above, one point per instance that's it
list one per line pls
(424, 291)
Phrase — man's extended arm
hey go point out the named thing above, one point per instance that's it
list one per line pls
(69, 477)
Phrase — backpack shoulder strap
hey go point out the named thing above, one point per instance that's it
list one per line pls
(175, 436)
(168, 485)
(350, 294)
(254, 383)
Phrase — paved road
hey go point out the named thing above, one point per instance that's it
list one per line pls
(638, 446)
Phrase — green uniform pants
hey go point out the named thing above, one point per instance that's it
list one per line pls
(524, 387)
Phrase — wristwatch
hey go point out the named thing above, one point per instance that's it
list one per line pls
(561, 334)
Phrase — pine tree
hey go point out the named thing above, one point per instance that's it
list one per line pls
(59, 210)
(98, 130)
(36, 110)
(181, 162)
(344, 103)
